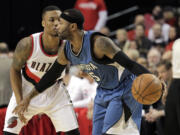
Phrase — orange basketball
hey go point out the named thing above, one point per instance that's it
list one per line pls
(147, 89)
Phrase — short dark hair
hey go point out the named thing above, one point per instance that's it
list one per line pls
(49, 8)
(76, 16)
(166, 63)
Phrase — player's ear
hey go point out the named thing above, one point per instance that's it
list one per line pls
(73, 26)
(43, 23)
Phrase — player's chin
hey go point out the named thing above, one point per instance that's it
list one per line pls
(55, 35)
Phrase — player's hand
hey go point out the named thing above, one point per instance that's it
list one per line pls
(164, 90)
(164, 96)
(164, 86)
(90, 110)
(22, 107)
(22, 118)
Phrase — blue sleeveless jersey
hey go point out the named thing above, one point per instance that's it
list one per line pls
(107, 76)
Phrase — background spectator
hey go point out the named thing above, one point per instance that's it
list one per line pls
(149, 17)
(82, 90)
(122, 39)
(133, 54)
(143, 43)
(95, 13)
(169, 15)
(5, 86)
(142, 61)
(172, 38)
(164, 28)
(153, 58)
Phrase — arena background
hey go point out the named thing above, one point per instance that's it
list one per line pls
(20, 18)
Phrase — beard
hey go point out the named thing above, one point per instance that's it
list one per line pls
(64, 35)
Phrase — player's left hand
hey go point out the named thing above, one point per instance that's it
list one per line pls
(21, 108)
(164, 89)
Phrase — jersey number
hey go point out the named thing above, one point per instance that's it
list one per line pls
(96, 78)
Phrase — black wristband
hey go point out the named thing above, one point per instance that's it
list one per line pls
(50, 77)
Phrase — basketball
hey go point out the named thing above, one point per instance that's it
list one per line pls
(147, 89)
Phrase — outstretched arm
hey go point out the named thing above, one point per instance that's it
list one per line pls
(104, 46)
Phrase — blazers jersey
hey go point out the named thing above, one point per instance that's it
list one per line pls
(39, 62)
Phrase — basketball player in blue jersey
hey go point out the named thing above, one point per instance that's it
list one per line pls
(33, 57)
(115, 110)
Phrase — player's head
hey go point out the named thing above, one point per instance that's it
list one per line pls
(50, 19)
(71, 20)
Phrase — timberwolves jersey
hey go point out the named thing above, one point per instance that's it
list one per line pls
(39, 62)
(107, 76)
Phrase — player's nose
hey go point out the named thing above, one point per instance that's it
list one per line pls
(56, 23)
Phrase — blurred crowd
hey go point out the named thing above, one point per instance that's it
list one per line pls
(150, 44)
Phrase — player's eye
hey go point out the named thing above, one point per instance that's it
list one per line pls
(51, 19)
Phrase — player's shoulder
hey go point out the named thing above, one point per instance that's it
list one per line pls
(24, 44)
(26, 41)
(96, 35)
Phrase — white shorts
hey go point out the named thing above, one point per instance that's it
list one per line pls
(57, 106)
(124, 128)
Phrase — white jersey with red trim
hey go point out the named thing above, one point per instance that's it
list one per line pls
(55, 101)
(36, 66)
(39, 62)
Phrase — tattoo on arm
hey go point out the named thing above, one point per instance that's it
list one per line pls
(22, 52)
(106, 46)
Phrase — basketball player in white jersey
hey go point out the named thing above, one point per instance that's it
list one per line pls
(33, 57)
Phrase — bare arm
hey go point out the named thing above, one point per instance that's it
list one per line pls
(21, 54)
(104, 46)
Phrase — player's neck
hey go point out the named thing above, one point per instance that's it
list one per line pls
(50, 41)
(50, 44)
(77, 41)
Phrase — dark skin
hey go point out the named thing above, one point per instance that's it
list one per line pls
(103, 46)
(23, 50)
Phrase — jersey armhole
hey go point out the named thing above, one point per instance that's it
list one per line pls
(32, 44)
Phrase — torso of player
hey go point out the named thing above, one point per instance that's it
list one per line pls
(105, 72)
(39, 62)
